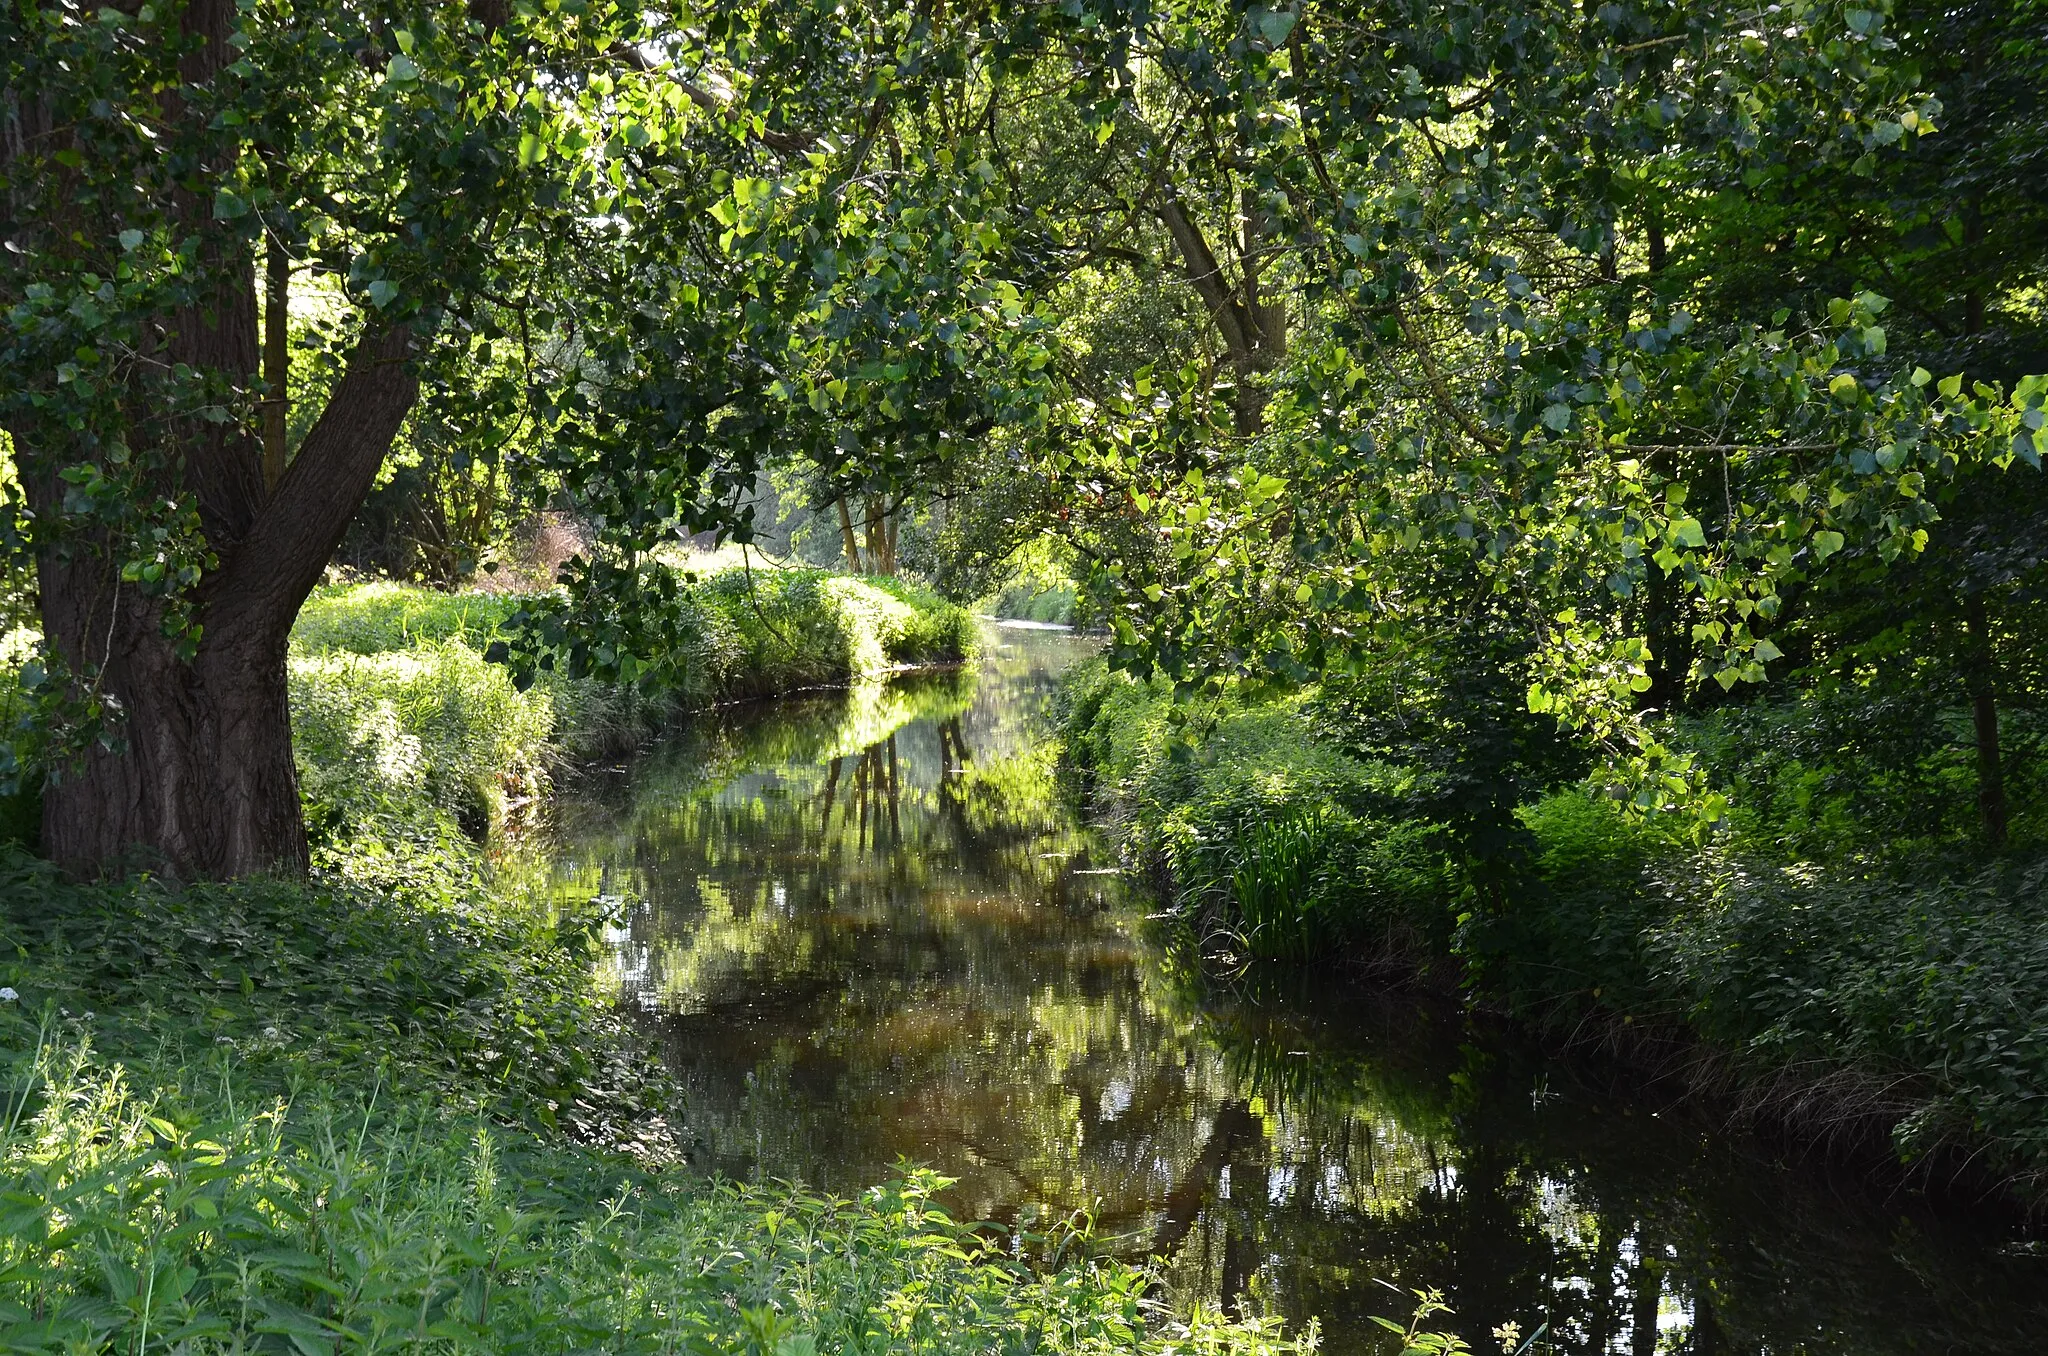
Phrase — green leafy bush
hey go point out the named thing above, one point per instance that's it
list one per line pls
(412, 747)
(448, 994)
(1939, 990)
(1289, 841)
(1857, 775)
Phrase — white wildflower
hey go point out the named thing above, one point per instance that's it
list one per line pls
(7, 995)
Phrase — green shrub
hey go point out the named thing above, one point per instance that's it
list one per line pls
(1938, 990)
(1562, 934)
(377, 616)
(407, 745)
(445, 993)
(1852, 775)
(316, 1229)
(1293, 843)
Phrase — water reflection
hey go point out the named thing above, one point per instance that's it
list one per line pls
(870, 930)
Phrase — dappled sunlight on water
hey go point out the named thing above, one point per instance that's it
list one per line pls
(867, 927)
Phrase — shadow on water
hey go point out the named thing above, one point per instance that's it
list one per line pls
(868, 928)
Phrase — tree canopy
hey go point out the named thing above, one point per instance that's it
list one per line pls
(1569, 363)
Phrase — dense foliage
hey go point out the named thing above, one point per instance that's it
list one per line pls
(1896, 992)
(1656, 336)
(239, 1117)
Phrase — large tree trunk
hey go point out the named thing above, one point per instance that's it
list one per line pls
(198, 779)
(194, 775)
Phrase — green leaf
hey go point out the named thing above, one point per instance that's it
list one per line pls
(401, 71)
(382, 292)
(1687, 532)
(227, 205)
(1557, 418)
(1826, 544)
(1274, 25)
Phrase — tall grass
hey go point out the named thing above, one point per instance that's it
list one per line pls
(139, 1223)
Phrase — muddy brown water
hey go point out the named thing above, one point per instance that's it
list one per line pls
(866, 929)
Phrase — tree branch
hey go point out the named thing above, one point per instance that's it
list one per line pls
(260, 588)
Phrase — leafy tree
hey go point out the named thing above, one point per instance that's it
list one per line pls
(416, 161)
(1515, 340)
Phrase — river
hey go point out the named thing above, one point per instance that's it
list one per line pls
(866, 928)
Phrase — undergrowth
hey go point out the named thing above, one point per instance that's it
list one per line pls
(263, 1117)
(1878, 985)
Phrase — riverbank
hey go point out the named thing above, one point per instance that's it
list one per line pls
(394, 1105)
(265, 1113)
(1846, 1000)
(412, 745)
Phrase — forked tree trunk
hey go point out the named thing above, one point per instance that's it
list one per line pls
(195, 774)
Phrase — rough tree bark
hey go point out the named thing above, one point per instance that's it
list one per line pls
(199, 779)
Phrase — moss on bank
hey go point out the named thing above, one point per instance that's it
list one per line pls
(1847, 994)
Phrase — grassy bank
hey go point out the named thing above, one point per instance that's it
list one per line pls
(393, 1108)
(273, 1117)
(1901, 990)
(412, 746)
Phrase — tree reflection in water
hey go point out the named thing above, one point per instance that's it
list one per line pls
(869, 928)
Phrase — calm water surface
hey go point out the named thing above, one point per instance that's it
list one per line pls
(867, 928)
